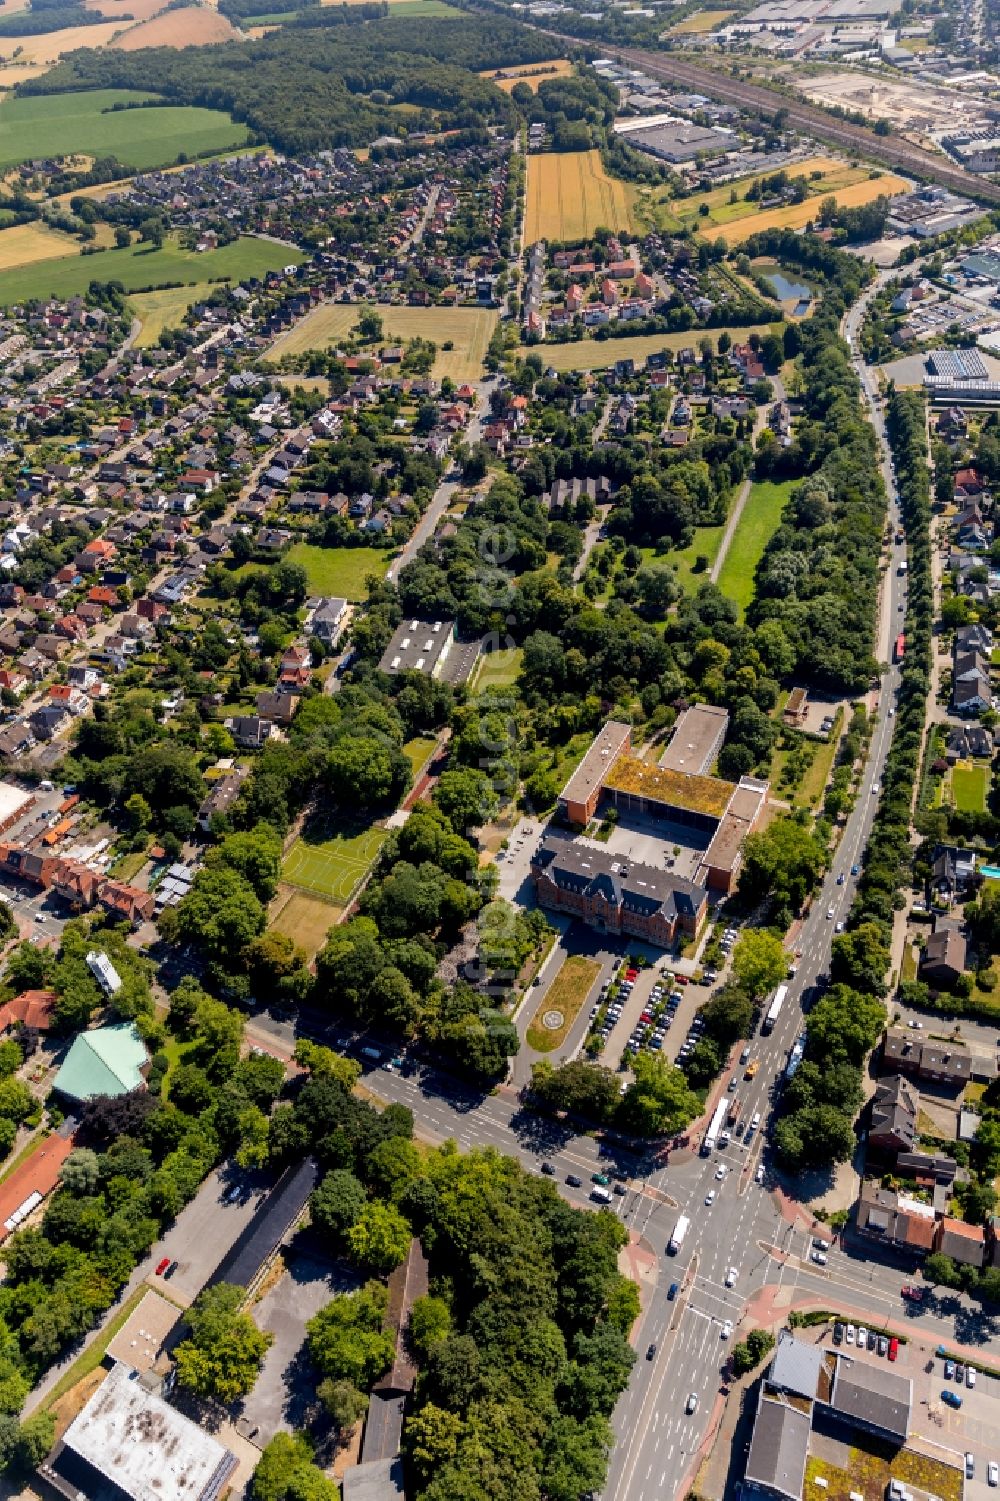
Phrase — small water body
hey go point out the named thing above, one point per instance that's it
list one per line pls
(785, 290)
(801, 308)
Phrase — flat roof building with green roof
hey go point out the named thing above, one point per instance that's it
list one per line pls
(107, 1061)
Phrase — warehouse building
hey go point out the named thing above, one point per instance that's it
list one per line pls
(128, 1443)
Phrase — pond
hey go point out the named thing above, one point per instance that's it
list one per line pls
(786, 290)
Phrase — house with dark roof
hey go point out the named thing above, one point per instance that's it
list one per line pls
(894, 1116)
(616, 895)
(945, 955)
(941, 1063)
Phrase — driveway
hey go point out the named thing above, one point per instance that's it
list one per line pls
(286, 1387)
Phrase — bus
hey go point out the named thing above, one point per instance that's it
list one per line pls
(899, 648)
(774, 1010)
(677, 1239)
(795, 1057)
(711, 1137)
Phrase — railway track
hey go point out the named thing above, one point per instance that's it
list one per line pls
(885, 150)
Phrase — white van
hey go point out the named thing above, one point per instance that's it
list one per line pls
(600, 1195)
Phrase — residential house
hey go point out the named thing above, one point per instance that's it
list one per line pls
(963, 1242)
(893, 1126)
(945, 955)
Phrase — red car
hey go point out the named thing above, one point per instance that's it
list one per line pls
(161, 1266)
(893, 1348)
(915, 1294)
(680, 979)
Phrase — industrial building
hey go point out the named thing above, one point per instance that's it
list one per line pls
(128, 1443)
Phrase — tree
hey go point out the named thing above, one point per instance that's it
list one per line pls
(345, 1404)
(844, 1024)
(751, 1351)
(123, 237)
(583, 1088)
(338, 1202)
(466, 796)
(255, 855)
(860, 958)
(431, 1438)
(346, 1338)
(222, 1358)
(430, 1323)
(221, 915)
(380, 1237)
(940, 1271)
(659, 1101)
(813, 1137)
(286, 1472)
(80, 1172)
(759, 961)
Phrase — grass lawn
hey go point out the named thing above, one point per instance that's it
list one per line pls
(332, 866)
(569, 195)
(340, 571)
(498, 670)
(706, 544)
(813, 784)
(599, 354)
(970, 785)
(141, 267)
(88, 123)
(418, 752)
(756, 527)
(467, 329)
(30, 1147)
(305, 919)
(565, 995)
(164, 309)
(129, 866)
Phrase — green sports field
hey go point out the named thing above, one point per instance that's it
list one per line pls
(334, 866)
(88, 123)
(140, 267)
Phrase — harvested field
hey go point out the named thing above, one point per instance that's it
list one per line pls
(798, 215)
(305, 919)
(50, 48)
(598, 354)
(24, 244)
(468, 329)
(139, 10)
(569, 195)
(532, 74)
(194, 26)
(702, 21)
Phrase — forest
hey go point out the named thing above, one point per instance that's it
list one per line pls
(326, 81)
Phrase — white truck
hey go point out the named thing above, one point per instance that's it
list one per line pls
(680, 1230)
(711, 1137)
(774, 1010)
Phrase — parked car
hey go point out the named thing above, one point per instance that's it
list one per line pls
(970, 1376)
(970, 1465)
(893, 1348)
(949, 1370)
(883, 1345)
(161, 1266)
(950, 1398)
(851, 1334)
(862, 1337)
(993, 1473)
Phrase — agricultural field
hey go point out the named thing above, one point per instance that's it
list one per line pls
(569, 195)
(140, 266)
(340, 571)
(41, 51)
(334, 866)
(532, 74)
(756, 526)
(157, 311)
(193, 26)
(139, 10)
(24, 244)
(468, 329)
(305, 919)
(728, 205)
(598, 354)
(703, 21)
(798, 215)
(64, 124)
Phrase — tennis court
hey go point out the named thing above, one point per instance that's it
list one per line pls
(333, 866)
